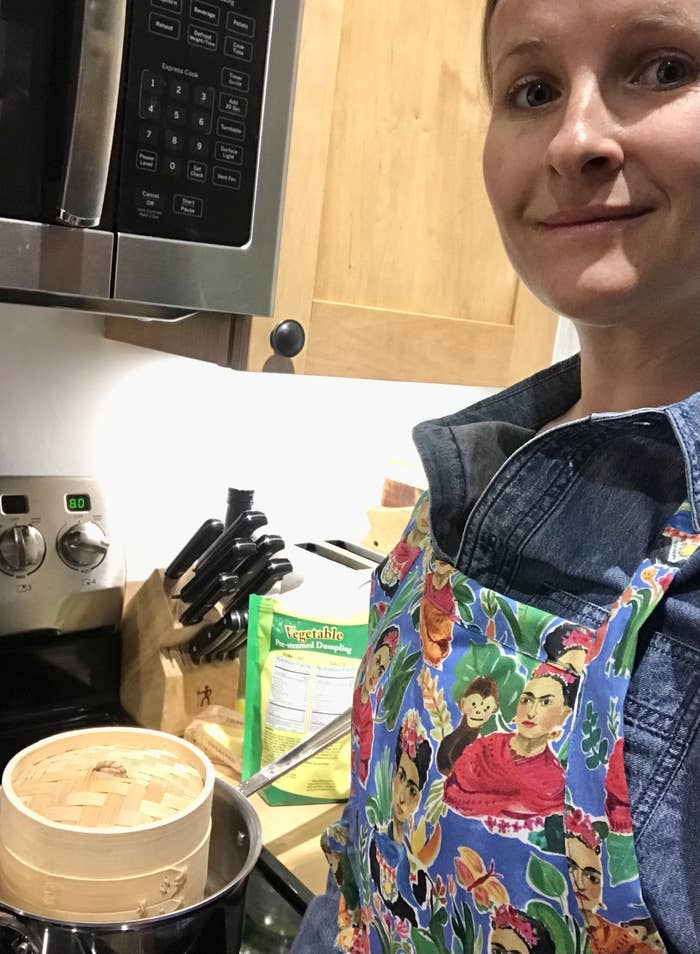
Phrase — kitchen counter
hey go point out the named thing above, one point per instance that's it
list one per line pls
(292, 833)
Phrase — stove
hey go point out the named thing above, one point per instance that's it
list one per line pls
(60, 668)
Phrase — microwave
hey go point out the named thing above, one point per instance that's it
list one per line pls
(143, 151)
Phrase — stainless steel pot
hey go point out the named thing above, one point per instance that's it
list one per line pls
(215, 925)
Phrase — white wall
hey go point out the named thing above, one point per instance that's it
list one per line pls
(169, 435)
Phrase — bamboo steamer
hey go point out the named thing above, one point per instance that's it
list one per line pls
(109, 824)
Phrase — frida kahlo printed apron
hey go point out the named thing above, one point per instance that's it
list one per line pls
(489, 811)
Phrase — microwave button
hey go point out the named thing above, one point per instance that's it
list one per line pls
(196, 171)
(201, 122)
(172, 166)
(172, 6)
(230, 128)
(174, 141)
(164, 26)
(179, 90)
(149, 201)
(150, 108)
(205, 12)
(228, 178)
(238, 49)
(204, 96)
(202, 39)
(233, 105)
(146, 160)
(234, 79)
(199, 146)
(225, 152)
(188, 205)
(176, 116)
(245, 26)
(152, 84)
(149, 135)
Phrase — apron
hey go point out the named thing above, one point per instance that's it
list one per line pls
(489, 812)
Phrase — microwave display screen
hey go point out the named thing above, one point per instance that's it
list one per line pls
(192, 119)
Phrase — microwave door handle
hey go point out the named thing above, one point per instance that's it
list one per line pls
(94, 114)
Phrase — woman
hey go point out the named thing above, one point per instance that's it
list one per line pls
(362, 716)
(516, 774)
(592, 165)
(399, 880)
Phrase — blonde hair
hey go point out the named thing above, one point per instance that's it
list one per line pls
(486, 64)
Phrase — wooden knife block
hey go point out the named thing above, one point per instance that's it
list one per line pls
(161, 688)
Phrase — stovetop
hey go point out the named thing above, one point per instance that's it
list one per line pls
(52, 682)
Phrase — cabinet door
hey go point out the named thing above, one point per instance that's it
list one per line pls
(390, 257)
(410, 280)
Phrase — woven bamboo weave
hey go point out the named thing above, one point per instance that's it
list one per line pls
(104, 786)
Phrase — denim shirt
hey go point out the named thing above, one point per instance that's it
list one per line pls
(561, 521)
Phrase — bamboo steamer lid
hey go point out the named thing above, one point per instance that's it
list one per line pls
(106, 820)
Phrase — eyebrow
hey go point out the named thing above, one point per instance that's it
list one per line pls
(519, 49)
(647, 24)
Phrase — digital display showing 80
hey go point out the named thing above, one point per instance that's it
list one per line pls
(77, 503)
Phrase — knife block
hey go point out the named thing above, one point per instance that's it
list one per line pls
(161, 688)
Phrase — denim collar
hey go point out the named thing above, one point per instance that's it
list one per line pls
(528, 406)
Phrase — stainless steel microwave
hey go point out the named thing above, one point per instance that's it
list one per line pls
(143, 149)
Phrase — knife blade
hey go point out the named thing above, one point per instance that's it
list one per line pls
(230, 560)
(220, 586)
(200, 540)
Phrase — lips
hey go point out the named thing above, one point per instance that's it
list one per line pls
(528, 723)
(593, 214)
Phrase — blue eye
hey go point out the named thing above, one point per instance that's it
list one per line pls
(667, 72)
(533, 94)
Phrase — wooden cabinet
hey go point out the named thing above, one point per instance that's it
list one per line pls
(390, 256)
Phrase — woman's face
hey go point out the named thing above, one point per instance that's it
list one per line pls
(541, 709)
(506, 941)
(376, 667)
(405, 789)
(573, 660)
(586, 871)
(592, 159)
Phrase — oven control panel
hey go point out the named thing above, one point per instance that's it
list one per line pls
(60, 567)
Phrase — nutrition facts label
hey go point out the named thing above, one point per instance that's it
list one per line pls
(304, 697)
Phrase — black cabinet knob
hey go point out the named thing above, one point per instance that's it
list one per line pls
(288, 338)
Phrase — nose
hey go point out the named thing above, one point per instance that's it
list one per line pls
(587, 140)
(532, 708)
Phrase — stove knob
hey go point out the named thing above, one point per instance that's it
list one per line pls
(83, 546)
(22, 549)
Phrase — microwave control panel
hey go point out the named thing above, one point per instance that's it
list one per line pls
(193, 107)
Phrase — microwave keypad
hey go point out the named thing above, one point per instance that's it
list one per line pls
(194, 117)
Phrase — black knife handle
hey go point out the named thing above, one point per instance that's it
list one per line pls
(232, 626)
(229, 560)
(258, 580)
(194, 548)
(242, 526)
(219, 587)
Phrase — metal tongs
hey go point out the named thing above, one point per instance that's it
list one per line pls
(330, 733)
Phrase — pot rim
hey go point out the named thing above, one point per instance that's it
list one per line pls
(254, 828)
